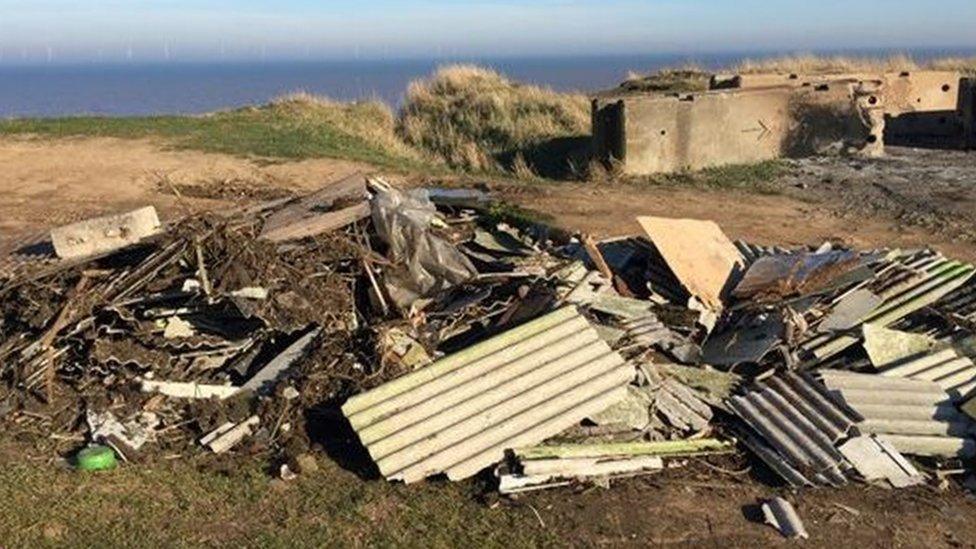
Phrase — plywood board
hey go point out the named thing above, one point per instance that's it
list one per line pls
(698, 253)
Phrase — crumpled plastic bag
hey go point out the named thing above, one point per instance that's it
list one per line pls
(425, 263)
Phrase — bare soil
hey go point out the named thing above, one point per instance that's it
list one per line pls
(47, 183)
(910, 199)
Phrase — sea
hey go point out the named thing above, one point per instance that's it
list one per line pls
(157, 88)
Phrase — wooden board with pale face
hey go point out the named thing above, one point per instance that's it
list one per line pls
(698, 253)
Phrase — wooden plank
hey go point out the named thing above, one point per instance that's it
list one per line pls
(320, 224)
(698, 253)
(323, 201)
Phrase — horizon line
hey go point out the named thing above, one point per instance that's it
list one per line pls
(910, 51)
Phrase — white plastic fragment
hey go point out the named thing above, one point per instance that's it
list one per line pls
(191, 285)
(189, 390)
(177, 328)
(128, 437)
(255, 293)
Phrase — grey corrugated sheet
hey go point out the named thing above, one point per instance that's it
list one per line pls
(621, 253)
(796, 416)
(915, 416)
(26, 250)
(960, 303)
(906, 284)
(752, 252)
(459, 415)
(950, 370)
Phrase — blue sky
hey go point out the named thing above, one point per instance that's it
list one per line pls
(111, 30)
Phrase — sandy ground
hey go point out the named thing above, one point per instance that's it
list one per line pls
(49, 183)
(44, 183)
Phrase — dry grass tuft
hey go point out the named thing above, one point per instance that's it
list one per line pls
(476, 119)
(372, 121)
(815, 64)
(686, 79)
(965, 65)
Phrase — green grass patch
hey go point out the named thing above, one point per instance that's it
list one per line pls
(291, 128)
(176, 505)
(759, 177)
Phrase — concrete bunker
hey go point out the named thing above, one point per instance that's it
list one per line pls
(647, 134)
(933, 109)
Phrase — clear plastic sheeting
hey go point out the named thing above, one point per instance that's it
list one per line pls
(426, 262)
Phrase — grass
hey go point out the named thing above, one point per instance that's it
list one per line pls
(814, 64)
(475, 119)
(176, 505)
(293, 127)
(681, 80)
(752, 177)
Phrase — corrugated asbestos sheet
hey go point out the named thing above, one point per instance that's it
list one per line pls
(947, 368)
(796, 416)
(961, 303)
(622, 253)
(459, 415)
(26, 250)
(917, 417)
(752, 252)
(906, 284)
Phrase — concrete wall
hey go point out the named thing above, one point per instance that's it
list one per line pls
(918, 91)
(646, 134)
(923, 108)
(942, 129)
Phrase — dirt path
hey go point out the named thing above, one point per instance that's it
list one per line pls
(608, 210)
(47, 183)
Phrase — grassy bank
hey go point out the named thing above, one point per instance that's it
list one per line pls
(465, 118)
(814, 64)
(475, 119)
(292, 127)
(692, 78)
(176, 505)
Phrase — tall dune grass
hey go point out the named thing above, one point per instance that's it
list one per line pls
(816, 64)
(477, 119)
(372, 121)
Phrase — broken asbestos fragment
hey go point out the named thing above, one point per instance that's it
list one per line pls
(776, 277)
(781, 515)
(229, 435)
(105, 234)
(876, 459)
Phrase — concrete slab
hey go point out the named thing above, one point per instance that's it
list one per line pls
(105, 234)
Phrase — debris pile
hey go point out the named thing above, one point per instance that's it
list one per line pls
(455, 341)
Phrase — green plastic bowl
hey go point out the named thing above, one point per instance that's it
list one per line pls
(97, 458)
